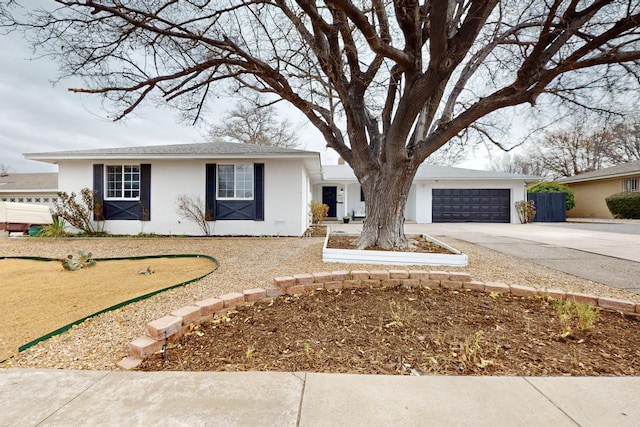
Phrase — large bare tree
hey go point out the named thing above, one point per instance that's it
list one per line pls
(386, 82)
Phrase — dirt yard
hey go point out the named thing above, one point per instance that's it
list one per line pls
(38, 297)
(408, 331)
(246, 263)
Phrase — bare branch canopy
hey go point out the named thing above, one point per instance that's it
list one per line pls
(387, 83)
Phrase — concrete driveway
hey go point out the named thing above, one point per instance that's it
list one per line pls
(613, 240)
(605, 253)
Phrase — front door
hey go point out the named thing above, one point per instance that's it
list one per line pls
(329, 195)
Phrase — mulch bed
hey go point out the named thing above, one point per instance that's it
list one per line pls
(342, 241)
(416, 244)
(408, 331)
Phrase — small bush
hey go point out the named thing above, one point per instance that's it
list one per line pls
(554, 187)
(575, 317)
(319, 211)
(55, 229)
(624, 205)
(193, 209)
(526, 210)
(85, 215)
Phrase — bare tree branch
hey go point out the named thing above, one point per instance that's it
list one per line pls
(387, 83)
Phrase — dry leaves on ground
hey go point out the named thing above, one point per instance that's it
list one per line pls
(411, 331)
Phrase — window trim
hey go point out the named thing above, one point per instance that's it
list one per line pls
(251, 167)
(630, 185)
(122, 189)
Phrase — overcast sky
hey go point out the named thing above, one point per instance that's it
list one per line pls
(38, 117)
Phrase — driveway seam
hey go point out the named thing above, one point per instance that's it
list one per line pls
(304, 384)
(62, 406)
(551, 401)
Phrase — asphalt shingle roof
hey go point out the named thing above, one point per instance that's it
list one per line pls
(625, 169)
(179, 150)
(28, 181)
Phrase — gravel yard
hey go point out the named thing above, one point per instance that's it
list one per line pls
(101, 342)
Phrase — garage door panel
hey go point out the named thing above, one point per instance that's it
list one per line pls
(471, 205)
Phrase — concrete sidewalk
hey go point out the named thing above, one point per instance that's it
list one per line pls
(620, 241)
(74, 398)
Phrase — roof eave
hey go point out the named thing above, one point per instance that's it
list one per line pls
(28, 190)
(57, 158)
(570, 180)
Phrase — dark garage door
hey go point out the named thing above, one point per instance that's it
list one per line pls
(471, 205)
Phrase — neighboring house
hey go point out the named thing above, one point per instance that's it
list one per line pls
(438, 194)
(36, 188)
(592, 188)
(261, 190)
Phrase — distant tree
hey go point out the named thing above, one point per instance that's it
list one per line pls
(4, 169)
(587, 142)
(626, 134)
(575, 150)
(254, 121)
(525, 164)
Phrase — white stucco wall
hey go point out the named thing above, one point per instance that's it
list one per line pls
(353, 202)
(285, 183)
(419, 203)
(285, 196)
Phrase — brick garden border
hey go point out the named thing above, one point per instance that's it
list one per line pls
(172, 327)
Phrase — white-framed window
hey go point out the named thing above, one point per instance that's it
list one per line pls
(123, 182)
(630, 185)
(235, 181)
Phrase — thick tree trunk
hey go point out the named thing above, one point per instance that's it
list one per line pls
(386, 196)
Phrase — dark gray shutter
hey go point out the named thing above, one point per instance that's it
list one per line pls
(258, 191)
(145, 192)
(210, 190)
(98, 187)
